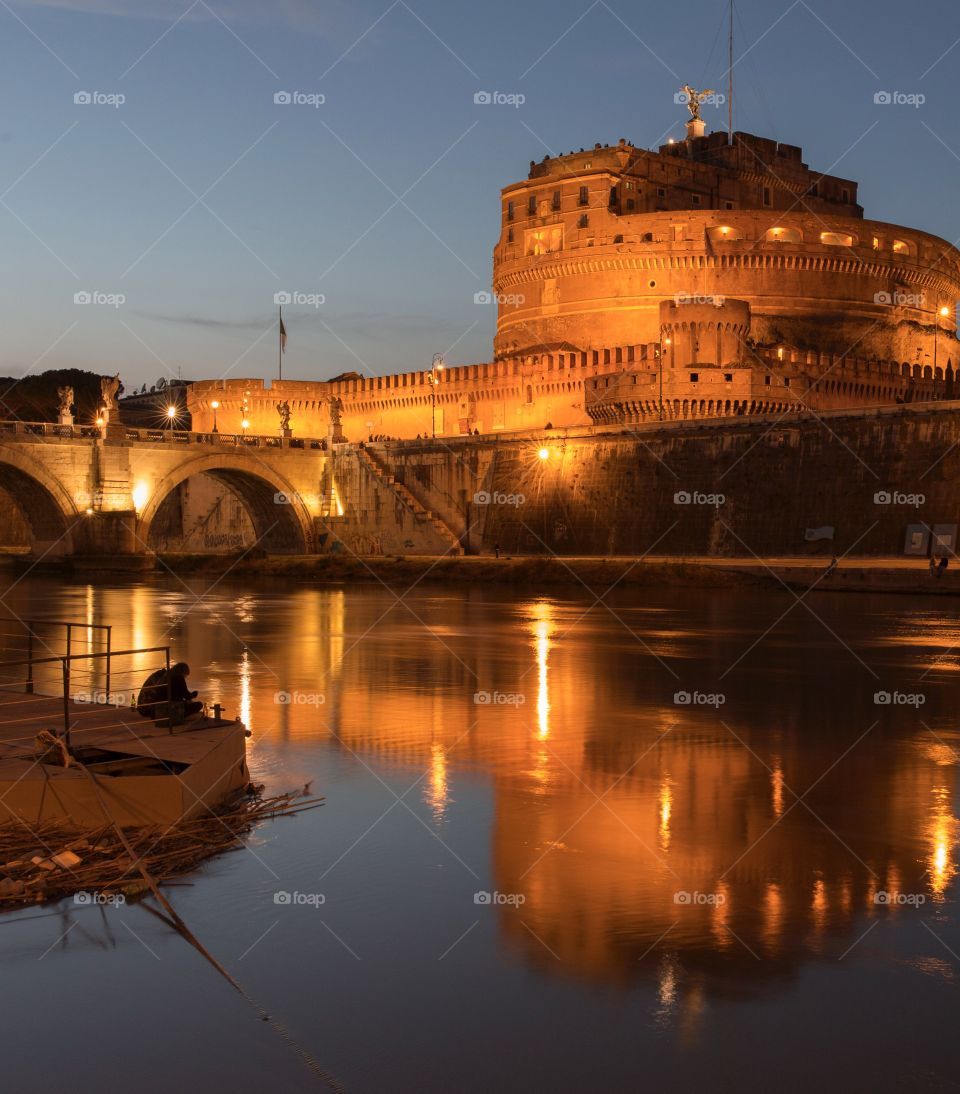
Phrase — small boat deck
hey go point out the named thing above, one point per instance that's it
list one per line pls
(147, 774)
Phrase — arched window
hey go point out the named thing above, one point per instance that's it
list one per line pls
(836, 239)
(783, 235)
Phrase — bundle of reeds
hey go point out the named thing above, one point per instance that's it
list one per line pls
(56, 859)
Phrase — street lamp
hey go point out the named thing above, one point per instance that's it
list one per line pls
(436, 367)
(245, 425)
(215, 406)
(664, 342)
(171, 414)
(942, 313)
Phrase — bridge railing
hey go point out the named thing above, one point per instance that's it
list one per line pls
(158, 436)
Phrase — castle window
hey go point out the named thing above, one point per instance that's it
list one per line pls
(509, 235)
(696, 199)
(901, 247)
(630, 203)
(618, 239)
(728, 376)
(628, 185)
(555, 204)
(766, 380)
(728, 205)
(767, 196)
(541, 241)
(782, 235)
(661, 193)
(647, 237)
(845, 195)
(588, 165)
(529, 394)
(584, 197)
(694, 377)
(532, 204)
(584, 221)
(836, 239)
(876, 243)
(509, 210)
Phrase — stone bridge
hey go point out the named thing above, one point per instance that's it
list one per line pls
(97, 490)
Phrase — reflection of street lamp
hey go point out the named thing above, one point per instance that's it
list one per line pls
(433, 376)
(215, 406)
(663, 342)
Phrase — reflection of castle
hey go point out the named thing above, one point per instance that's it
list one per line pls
(746, 275)
(609, 808)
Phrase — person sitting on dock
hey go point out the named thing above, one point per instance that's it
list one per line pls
(152, 700)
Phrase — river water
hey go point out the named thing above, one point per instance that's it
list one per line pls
(753, 889)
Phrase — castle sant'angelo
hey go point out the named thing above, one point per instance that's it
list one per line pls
(713, 277)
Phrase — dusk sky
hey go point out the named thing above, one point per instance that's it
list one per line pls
(199, 198)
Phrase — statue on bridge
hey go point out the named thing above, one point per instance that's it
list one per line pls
(65, 409)
(283, 409)
(109, 386)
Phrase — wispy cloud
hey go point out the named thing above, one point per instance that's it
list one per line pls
(302, 14)
(375, 326)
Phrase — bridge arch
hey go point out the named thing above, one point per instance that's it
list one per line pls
(281, 526)
(47, 506)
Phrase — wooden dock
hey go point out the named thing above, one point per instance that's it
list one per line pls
(147, 774)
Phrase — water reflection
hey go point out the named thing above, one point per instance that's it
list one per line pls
(704, 852)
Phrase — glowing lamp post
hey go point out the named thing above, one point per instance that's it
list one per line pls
(433, 376)
(664, 343)
(171, 416)
(215, 406)
(544, 454)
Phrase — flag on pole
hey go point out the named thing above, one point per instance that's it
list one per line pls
(283, 334)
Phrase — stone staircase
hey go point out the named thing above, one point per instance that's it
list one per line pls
(420, 513)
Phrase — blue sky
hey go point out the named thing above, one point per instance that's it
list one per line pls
(199, 198)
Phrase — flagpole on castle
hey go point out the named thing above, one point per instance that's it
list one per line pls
(281, 340)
